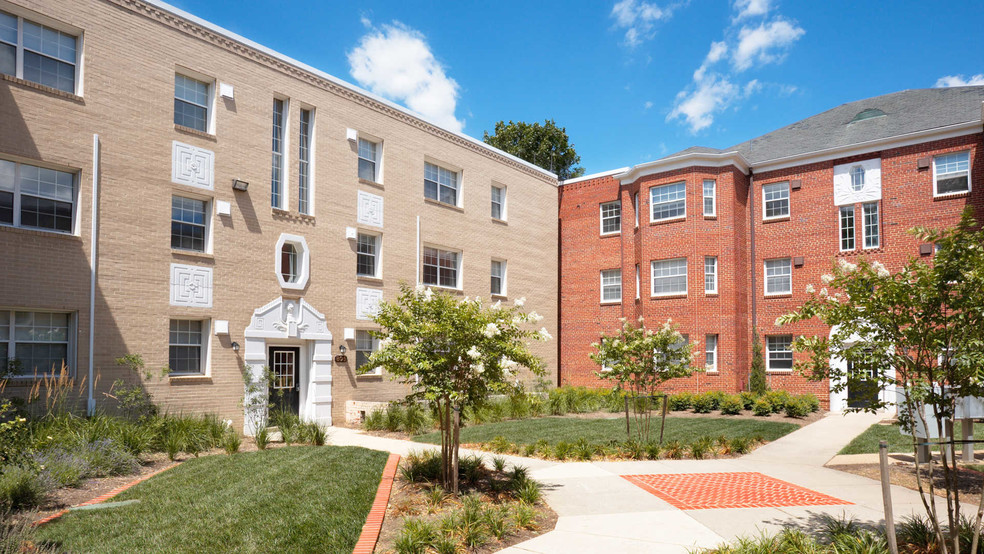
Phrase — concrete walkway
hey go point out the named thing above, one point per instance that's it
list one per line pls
(600, 511)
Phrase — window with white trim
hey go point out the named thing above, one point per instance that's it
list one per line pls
(775, 200)
(38, 53)
(34, 343)
(951, 173)
(638, 283)
(367, 256)
(498, 203)
(847, 228)
(710, 274)
(668, 201)
(37, 197)
(498, 277)
(186, 346)
(441, 267)
(289, 263)
(304, 162)
(368, 159)
(857, 178)
(611, 285)
(191, 102)
(710, 197)
(669, 277)
(710, 352)
(635, 205)
(780, 352)
(611, 218)
(365, 345)
(292, 261)
(277, 180)
(189, 224)
(440, 184)
(779, 276)
(871, 227)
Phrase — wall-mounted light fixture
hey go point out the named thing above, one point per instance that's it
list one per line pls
(239, 185)
(235, 347)
(341, 348)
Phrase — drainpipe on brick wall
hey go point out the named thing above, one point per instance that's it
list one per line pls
(94, 240)
(752, 263)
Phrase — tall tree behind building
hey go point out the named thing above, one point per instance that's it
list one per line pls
(545, 145)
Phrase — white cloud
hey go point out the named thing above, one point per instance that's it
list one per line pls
(639, 19)
(750, 8)
(395, 62)
(959, 81)
(647, 105)
(752, 87)
(764, 44)
(697, 107)
(717, 51)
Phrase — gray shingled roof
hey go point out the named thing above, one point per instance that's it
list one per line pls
(908, 111)
(695, 150)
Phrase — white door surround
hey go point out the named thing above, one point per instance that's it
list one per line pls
(838, 400)
(290, 323)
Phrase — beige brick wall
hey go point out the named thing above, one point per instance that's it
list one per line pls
(131, 52)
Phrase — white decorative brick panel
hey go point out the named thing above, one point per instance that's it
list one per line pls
(367, 303)
(192, 166)
(370, 209)
(191, 286)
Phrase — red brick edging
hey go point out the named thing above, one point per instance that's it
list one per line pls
(374, 521)
(102, 497)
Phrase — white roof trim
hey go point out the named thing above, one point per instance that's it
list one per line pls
(594, 175)
(300, 65)
(690, 159)
(858, 148)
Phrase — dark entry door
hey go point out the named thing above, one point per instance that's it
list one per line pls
(862, 387)
(285, 388)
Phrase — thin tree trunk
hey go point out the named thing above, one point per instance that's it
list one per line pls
(929, 505)
(454, 452)
(977, 523)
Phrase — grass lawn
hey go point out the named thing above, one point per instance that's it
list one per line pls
(867, 442)
(295, 499)
(555, 429)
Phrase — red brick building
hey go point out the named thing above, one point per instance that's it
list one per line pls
(724, 241)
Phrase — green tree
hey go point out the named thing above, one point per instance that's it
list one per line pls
(639, 361)
(927, 323)
(453, 353)
(545, 145)
(756, 381)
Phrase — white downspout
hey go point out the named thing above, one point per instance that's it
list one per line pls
(92, 277)
(417, 264)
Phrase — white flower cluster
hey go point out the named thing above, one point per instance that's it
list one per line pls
(880, 269)
(846, 266)
(827, 278)
(497, 305)
(810, 289)
(473, 353)
(520, 301)
(491, 330)
(544, 334)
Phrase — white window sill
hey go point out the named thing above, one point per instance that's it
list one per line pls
(442, 287)
(611, 234)
(611, 302)
(668, 219)
(778, 294)
(668, 294)
(776, 218)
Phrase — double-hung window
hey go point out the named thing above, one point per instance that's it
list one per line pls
(38, 53)
(37, 197)
(304, 162)
(498, 203)
(669, 277)
(778, 276)
(951, 173)
(365, 345)
(776, 200)
(710, 198)
(290, 270)
(668, 201)
(367, 258)
(191, 103)
(440, 184)
(611, 218)
(638, 283)
(34, 343)
(186, 346)
(189, 224)
(780, 352)
(871, 225)
(498, 277)
(857, 178)
(368, 159)
(711, 352)
(441, 267)
(710, 274)
(277, 180)
(611, 285)
(847, 228)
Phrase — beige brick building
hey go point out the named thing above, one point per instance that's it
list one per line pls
(142, 118)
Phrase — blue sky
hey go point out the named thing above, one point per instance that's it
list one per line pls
(630, 80)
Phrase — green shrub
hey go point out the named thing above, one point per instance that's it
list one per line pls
(762, 407)
(421, 466)
(615, 402)
(700, 448)
(231, 442)
(732, 405)
(375, 420)
(415, 420)
(525, 516)
(107, 458)
(653, 450)
(797, 407)
(703, 403)
(740, 445)
(757, 382)
(582, 449)
(916, 531)
(262, 438)
(748, 399)
(778, 399)
(529, 492)
(674, 450)
(393, 417)
(561, 450)
(21, 488)
(556, 403)
(716, 397)
(811, 401)
(681, 401)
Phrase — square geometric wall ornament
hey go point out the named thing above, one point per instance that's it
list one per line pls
(370, 209)
(367, 303)
(192, 166)
(191, 286)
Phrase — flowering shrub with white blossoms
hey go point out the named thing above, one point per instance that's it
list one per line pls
(453, 353)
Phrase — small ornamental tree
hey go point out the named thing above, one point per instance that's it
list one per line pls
(756, 380)
(925, 322)
(639, 360)
(453, 353)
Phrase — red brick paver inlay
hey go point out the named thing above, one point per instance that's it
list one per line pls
(702, 491)
(374, 522)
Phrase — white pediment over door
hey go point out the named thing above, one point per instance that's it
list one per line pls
(295, 319)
